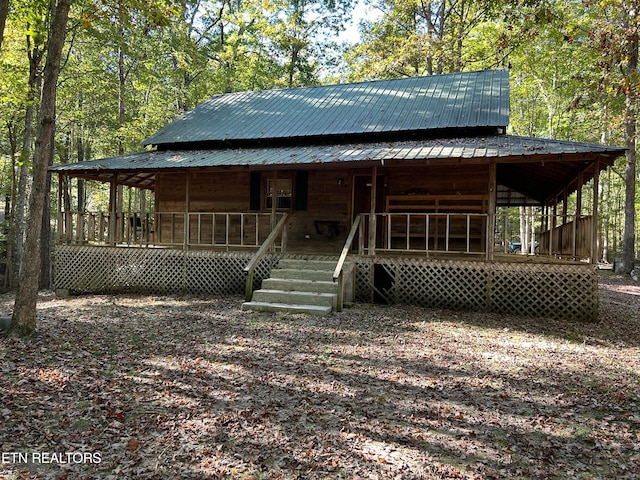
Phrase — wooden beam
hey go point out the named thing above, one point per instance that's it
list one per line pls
(113, 193)
(60, 223)
(595, 217)
(491, 211)
(187, 205)
(274, 198)
(372, 216)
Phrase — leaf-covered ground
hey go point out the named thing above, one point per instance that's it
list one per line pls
(151, 387)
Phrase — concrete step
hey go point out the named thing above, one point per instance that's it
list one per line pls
(299, 274)
(294, 297)
(318, 286)
(286, 308)
(294, 264)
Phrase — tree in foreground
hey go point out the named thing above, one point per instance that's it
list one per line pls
(23, 321)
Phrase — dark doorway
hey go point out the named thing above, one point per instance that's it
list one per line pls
(382, 284)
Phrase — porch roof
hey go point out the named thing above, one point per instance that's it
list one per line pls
(535, 167)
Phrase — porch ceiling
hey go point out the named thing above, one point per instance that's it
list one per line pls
(537, 168)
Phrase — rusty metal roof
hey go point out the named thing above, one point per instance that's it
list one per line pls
(417, 104)
(557, 161)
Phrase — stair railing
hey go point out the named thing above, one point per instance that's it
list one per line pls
(264, 248)
(338, 273)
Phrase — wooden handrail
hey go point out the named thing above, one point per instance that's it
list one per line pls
(266, 245)
(337, 273)
(346, 248)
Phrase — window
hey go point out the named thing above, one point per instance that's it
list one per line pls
(283, 188)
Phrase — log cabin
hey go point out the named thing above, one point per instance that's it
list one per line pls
(305, 199)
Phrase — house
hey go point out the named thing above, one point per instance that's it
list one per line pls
(388, 189)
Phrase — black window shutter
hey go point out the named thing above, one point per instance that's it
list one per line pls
(254, 191)
(302, 190)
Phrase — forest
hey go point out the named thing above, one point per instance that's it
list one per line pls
(124, 69)
(152, 386)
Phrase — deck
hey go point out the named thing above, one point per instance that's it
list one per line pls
(434, 260)
(515, 285)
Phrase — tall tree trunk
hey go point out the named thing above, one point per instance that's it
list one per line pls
(532, 231)
(4, 13)
(45, 242)
(524, 234)
(631, 118)
(35, 81)
(10, 212)
(23, 321)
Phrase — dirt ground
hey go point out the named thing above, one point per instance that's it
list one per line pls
(148, 387)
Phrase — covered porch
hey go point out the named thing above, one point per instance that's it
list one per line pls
(422, 222)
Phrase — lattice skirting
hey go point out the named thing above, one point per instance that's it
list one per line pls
(83, 269)
(536, 290)
(556, 291)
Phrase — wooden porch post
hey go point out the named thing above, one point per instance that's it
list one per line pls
(577, 214)
(372, 216)
(187, 201)
(60, 222)
(274, 198)
(113, 194)
(491, 207)
(579, 194)
(595, 217)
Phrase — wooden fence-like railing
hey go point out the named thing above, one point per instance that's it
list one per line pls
(427, 232)
(202, 230)
(571, 239)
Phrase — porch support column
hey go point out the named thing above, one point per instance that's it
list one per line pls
(579, 194)
(491, 213)
(372, 216)
(595, 217)
(577, 214)
(60, 224)
(187, 201)
(113, 221)
(274, 198)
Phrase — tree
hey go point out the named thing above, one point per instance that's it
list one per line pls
(614, 37)
(4, 12)
(296, 32)
(630, 46)
(23, 321)
(419, 38)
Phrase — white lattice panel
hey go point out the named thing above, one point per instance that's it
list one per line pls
(535, 290)
(104, 269)
(558, 291)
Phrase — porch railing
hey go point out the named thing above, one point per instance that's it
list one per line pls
(338, 273)
(427, 232)
(201, 230)
(280, 231)
(570, 239)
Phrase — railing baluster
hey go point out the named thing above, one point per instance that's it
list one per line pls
(408, 224)
(446, 234)
(228, 226)
(426, 233)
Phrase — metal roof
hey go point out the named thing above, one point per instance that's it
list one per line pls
(500, 146)
(533, 166)
(458, 101)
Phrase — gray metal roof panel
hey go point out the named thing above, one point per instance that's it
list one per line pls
(486, 147)
(459, 100)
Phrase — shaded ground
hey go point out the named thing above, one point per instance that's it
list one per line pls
(165, 387)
